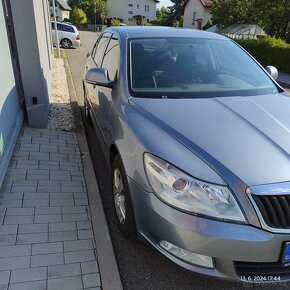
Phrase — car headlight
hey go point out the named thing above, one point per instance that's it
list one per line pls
(187, 193)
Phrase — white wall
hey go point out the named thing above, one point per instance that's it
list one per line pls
(11, 115)
(33, 38)
(120, 9)
(201, 13)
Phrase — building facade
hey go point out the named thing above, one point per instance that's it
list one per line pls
(196, 13)
(25, 71)
(132, 12)
(62, 10)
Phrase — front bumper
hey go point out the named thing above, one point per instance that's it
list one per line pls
(225, 242)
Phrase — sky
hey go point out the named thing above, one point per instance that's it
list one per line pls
(164, 3)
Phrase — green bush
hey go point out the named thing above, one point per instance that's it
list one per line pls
(115, 22)
(269, 51)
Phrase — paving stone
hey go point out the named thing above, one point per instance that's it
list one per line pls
(32, 238)
(59, 177)
(48, 210)
(85, 234)
(84, 225)
(39, 156)
(75, 217)
(72, 189)
(7, 240)
(91, 280)
(67, 270)
(61, 202)
(36, 202)
(81, 201)
(68, 283)
(35, 285)
(46, 260)
(60, 172)
(4, 277)
(37, 172)
(11, 196)
(74, 209)
(15, 251)
(20, 211)
(78, 245)
(82, 195)
(2, 210)
(14, 263)
(89, 267)
(62, 236)
(60, 195)
(47, 218)
(11, 203)
(8, 229)
(62, 227)
(79, 256)
(48, 188)
(72, 183)
(20, 219)
(33, 228)
(47, 248)
(30, 274)
(36, 196)
(38, 177)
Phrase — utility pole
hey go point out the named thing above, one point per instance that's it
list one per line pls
(55, 29)
(95, 11)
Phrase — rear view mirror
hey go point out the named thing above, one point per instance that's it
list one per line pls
(272, 71)
(99, 76)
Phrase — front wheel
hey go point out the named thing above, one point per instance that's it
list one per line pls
(123, 209)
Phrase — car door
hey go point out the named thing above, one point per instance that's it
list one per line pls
(106, 96)
(95, 59)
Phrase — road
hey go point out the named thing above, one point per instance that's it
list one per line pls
(140, 266)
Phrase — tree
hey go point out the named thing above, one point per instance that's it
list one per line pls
(88, 6)
(272, 16)
(78, 16)
(162, 17)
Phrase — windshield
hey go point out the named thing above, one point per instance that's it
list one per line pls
(194, 67)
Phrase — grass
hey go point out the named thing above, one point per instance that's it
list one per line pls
(55, 53)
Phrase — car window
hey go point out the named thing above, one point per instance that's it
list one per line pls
(111, 59)
(101, 48)
(68, 28)
(59, 26)
(192, 67)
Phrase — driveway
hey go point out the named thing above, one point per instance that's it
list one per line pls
(140, 266)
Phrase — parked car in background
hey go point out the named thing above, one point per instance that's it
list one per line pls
(196, 134)
(68, 35)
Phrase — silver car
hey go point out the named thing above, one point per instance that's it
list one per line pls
(68, 35)
(197, 136)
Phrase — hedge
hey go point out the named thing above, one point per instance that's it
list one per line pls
(269, 51)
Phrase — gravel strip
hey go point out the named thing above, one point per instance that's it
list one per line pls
(61, 115)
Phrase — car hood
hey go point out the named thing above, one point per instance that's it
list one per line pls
(247, 136)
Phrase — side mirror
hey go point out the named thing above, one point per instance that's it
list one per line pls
(99, 77)
(272, 71)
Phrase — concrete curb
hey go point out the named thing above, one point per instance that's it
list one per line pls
(109, 271)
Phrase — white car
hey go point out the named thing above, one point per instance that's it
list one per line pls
(68, 35)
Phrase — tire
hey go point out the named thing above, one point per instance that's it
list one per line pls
(87, 110)
(66, 43)
(123, 210)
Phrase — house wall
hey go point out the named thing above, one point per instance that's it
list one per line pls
(201, 13)
(33, 36)
(11, 114)
(121, 9)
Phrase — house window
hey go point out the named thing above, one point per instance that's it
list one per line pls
(193, 17)
(130, 5)
(130, 19)
(137, 6)
(130, 12)
(146, 8)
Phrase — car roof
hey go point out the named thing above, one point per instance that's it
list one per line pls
(159, 31)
